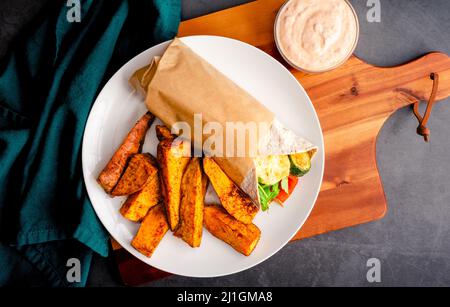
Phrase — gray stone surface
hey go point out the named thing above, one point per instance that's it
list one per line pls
(412, 240)
(195, 8)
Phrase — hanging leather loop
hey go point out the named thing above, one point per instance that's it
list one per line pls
(422, 129)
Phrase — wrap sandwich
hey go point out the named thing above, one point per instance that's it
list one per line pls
(180, 85)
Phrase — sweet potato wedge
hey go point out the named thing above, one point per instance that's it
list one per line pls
(242, 237)
(233, 199)
(190, 224)
(204, 182)
(140, 167)
(137, 204)
(110, 175)
(172, 164)
(162, 133)
(152, 230)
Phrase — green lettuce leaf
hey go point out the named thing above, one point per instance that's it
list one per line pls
(267, 193)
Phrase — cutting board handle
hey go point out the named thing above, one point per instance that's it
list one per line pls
(429, 80)
(416, 84)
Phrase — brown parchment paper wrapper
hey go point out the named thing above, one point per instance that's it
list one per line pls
(181, 83)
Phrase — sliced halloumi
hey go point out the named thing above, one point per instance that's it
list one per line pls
(271, 169)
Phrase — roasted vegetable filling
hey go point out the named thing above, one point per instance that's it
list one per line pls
(300, 163)
(273, 173)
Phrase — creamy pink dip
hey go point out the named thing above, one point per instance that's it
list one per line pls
(316, 35)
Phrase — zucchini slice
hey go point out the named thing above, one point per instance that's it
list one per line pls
(271, 169)
(300, 163)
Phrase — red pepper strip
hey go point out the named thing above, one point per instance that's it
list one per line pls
(283, 196)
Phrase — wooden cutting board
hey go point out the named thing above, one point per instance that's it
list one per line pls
(352, 103)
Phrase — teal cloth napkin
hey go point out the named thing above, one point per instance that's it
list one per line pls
(48, 83)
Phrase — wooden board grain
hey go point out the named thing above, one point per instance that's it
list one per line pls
(352, 103)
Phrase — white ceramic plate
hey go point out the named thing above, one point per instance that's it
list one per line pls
(116, 110)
